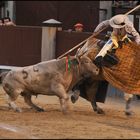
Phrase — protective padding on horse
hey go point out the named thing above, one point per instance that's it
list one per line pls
(126, 74)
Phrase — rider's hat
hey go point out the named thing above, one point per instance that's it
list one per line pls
(118, 21)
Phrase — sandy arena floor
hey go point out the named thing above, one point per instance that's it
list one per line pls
(81, 122)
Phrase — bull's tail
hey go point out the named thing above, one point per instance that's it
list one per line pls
(2, 75)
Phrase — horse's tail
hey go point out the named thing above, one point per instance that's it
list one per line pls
(2, 75)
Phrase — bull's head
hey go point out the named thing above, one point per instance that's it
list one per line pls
(87, 67)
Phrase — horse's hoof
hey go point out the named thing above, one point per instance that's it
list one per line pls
(129, 113)
(100, 111)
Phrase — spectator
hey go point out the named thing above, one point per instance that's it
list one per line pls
(78, 27)
(1, 22)
(7, 22)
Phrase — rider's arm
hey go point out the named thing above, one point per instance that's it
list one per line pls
(102, 25)
(131, 30)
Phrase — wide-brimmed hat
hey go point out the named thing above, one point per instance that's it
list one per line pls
(118, 21)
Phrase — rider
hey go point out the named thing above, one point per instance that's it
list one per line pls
(121, 26)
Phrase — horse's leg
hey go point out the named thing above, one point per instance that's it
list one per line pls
(96, 108)
(75, 96)
(128, 99)
(27, 99)
(92, 89)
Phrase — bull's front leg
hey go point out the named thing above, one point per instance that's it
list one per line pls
(63, 97)
(27, 98)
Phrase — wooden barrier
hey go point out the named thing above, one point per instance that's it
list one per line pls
(20, 45)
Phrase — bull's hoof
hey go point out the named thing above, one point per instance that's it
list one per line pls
(65, 112)
(18, 110)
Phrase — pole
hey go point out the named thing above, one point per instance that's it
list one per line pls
(94, 34)
(137, 7)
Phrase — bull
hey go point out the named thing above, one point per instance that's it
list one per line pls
(54, 77)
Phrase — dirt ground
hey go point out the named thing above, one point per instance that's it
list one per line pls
(81, 122)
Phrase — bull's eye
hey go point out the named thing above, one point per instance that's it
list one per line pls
(86, 62)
